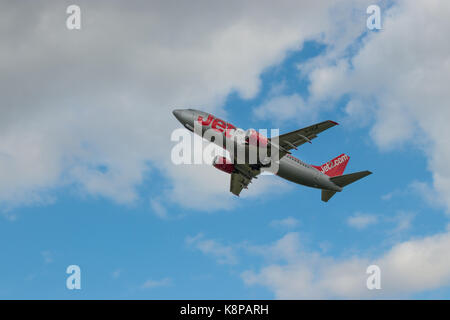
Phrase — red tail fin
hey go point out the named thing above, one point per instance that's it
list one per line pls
(334, 167)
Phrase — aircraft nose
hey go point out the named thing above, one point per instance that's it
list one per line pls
(185, 116)
(178, 113)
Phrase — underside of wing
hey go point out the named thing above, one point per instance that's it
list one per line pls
(296, 138)
(242, 177)
(238, 182)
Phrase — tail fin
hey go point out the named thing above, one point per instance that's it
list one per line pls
(334, 167)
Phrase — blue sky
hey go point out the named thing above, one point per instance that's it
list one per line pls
(98, 211)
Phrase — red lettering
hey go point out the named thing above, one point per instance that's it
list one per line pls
(219, 125)
(207, 121)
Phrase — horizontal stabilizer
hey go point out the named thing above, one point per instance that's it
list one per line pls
(327, 194)
(346, 179)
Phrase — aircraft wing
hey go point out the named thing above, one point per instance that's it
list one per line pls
(242, 177)
(296, 138)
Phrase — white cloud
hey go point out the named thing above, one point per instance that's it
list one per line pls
(47, 256)
(158, 208)
(398, 223)
(283, 108)
(149, 284)
(289, 222)
(419, 189)
(400, 77)
(407, 268)
(361, 221)
(403, 221)
(427, 193)
(222, 253)
(286, 248)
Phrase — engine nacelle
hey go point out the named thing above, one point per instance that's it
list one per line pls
(223, 164)
(254, 138)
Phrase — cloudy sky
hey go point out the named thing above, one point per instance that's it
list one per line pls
(86, 176)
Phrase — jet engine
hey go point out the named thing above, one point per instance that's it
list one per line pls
(254, 138)
(223, 164)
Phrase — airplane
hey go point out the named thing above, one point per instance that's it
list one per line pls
(328, 177)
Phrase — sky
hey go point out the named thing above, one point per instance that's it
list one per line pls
(86, 176)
